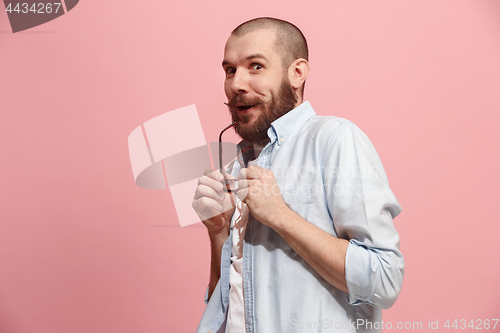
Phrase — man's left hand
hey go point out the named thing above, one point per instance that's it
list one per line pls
(257, 188)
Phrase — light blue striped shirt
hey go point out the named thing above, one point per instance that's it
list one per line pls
(330, 174)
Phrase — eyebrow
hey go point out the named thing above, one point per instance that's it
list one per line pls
(250, 57)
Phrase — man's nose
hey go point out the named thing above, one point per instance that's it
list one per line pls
(239, 83)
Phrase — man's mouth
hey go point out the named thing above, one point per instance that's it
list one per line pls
(244, 108)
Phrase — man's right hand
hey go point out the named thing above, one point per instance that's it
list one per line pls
(214, 206)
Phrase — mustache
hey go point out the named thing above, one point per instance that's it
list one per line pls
(242, 100)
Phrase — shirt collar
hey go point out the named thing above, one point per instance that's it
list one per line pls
(282, 127)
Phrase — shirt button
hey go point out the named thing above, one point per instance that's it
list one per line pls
(281, 140)
(210, 331)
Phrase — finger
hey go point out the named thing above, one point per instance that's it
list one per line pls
(251, 172)
(244, 183)
(202, 204)
(242, 194)
(207, 180)
(256, 167)
(243, 174)
(206, 191)
(227, 175)
(214, 174)
(230, 186)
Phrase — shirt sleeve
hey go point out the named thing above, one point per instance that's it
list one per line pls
(362, 207)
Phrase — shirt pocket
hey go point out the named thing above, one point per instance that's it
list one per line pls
(300, 195)
(300, 200)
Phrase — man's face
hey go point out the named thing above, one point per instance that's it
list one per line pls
(256, 85)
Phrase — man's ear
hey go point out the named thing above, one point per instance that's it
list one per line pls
(297, 72)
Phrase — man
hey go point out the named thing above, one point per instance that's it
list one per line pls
(308, 243)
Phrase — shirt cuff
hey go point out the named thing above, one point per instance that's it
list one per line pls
(357, 274)
(372, 275)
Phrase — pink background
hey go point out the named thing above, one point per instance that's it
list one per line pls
(83, 249)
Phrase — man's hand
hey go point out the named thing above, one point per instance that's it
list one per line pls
(257, 188)
(325, 253)
(214, 206)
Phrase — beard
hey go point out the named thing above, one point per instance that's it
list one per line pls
(280, 104)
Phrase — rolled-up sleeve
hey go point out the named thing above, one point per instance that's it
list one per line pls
(362, 207)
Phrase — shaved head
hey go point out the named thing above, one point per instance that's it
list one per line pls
(290, 43)
(265, 65)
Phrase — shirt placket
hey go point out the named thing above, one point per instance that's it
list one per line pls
(248, 287)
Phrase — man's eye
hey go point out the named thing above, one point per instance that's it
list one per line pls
(230, 70)
(256, 67)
